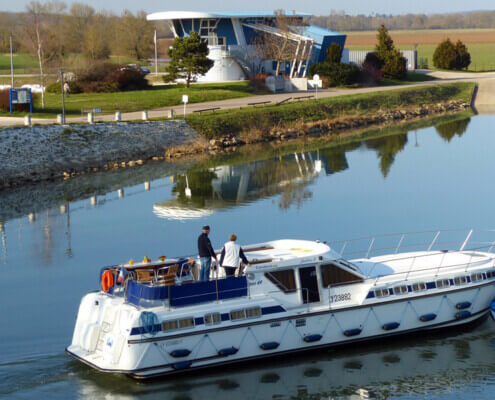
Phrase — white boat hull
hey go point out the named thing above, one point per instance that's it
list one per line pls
(104, 340)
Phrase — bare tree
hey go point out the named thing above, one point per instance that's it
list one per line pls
(136, 34)
(40, 35)
(280, 42)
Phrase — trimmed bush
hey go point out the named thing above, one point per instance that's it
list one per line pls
(450, 56)
(337, 74)
(395, 66)
(445, 56)
(334, 53)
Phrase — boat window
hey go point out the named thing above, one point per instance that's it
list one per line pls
(460, 280)
(186, 323)
(254, 312)
(237, 315)
(284, 280)
(419, 286)
(332, 274)
(383, 292)
(441, 283)
(169, 325)
(400, 290)
(477, 277)
(211, 319)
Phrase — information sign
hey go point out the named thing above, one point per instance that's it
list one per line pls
(21, 96)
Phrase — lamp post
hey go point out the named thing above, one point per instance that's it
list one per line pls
(11, 64)
(63, 94)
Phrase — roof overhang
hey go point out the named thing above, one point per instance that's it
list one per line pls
(173, 15)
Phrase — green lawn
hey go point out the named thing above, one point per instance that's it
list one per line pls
(156, 97)
(23, 64)
(482, 55)
(412, 77)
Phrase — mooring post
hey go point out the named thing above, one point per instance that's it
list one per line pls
(91, 118)
(27, 120)
(118, 116)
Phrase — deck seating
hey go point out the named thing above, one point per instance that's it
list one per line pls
(167, 276)
(144, 275)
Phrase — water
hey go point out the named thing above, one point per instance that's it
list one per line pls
(55, 238)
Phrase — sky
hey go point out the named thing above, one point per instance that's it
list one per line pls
(317, 7)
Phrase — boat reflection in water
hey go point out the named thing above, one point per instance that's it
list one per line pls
(414, 367)
(202, 192)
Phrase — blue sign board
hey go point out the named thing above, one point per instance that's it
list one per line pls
(21, 96)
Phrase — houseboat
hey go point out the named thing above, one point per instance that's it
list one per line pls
(154, 318)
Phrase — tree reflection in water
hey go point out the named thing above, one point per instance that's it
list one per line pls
(386, 149)
(449, 129)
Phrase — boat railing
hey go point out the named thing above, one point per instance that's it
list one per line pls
(438, 269)
(368, 247)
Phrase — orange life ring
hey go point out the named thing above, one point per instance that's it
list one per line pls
(107, 280)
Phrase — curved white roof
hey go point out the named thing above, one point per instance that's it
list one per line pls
(170, 15)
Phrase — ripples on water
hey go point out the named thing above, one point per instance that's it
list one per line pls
(56, 236)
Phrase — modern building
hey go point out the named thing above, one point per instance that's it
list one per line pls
(235, 38)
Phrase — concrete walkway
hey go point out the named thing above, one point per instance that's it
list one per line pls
(485, 98)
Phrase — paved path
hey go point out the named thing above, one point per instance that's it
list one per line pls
(483, 79)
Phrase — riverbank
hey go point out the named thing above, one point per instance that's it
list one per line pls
(53, 152)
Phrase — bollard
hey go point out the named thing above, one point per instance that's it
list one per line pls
(146, 186)
(60, 119)
(121, 193)
(93, 201)
(63, 209)
(32, 217)
(27, 120)
(91, 118)
(118, 116)
(171, 114)
(145, 115)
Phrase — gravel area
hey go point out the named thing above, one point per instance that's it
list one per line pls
(49, 152)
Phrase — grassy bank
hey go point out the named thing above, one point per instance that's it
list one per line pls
(265, 118)
(156, 97)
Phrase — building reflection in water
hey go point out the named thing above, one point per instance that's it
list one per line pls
(202, 192)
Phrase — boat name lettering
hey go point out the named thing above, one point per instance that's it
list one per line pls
(340, 297)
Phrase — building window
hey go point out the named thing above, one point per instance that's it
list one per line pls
(254, 312)
(332, 274)
(441, 283)
(212, 319)
(285, 280)
(382, 292)
(419, 286)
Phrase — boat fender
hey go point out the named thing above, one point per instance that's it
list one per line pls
(462, 314)
(180, 353)
(427, 317)
(352, 332)
(390, 326)
(463, 305)
(312, 338)
(149, 320)
(107, 281)
(269, 345)
(182, 365)
(227, 351)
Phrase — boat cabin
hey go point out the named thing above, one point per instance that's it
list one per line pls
(294, 272)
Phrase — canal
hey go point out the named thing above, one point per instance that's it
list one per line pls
(55, 237)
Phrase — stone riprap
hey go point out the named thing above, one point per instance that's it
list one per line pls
(51, 152)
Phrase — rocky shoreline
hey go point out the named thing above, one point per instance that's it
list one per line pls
(50, 153)
(47, 153)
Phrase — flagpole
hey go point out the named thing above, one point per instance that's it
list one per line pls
(156, 57)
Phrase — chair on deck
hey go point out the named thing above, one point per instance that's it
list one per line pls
(144, 275)
(167, 276)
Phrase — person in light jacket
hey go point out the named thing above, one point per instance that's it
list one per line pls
(231, 256)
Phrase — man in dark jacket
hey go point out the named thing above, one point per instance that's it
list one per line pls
(206, 252)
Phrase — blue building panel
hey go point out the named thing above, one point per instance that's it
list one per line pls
(226, 29)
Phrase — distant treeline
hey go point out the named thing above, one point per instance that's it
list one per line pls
(339, 21)
(78, 29)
